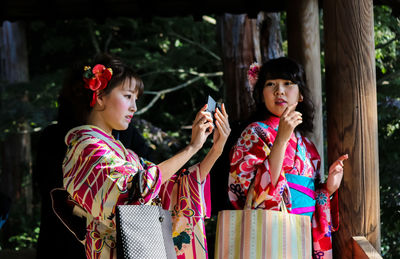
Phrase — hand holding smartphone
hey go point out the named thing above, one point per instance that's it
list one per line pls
(212, 105)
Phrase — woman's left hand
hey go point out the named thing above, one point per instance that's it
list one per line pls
(335, 174)
(223, 130)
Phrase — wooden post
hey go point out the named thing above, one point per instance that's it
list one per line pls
(238, 43)
(304, 47)
(15, 150)
(244, 41)
(362, 249)
(271, 37)
(352, 118)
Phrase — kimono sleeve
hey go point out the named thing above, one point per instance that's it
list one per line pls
(249, 157)
(188, 200)
(325, 217)
(98, 179)
(186, 186)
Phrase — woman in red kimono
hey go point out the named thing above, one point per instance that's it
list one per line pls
(98, 171)
(274, 153)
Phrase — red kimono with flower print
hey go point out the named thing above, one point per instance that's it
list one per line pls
(249, 161)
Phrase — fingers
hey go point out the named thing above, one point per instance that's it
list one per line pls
(292, 119)
(337, 166)
(200, 113)
(343, 157)
(202, 117)
(294, 116)
(340, 160)
(222, 124)
(224, 111)
(204, 107)
(221, 120)
(289, 109)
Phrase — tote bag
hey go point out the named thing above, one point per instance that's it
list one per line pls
(266, 234)
(144, 231)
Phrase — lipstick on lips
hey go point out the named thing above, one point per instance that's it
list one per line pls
(129, 117)
(280, 102)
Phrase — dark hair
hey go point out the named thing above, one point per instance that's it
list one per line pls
(288, 69)
(75, 99)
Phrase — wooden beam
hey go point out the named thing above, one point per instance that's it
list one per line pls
(67, 9)
(304, 46)
(362, 249)
(352, 118)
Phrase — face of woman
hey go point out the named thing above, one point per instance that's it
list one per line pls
(118, 107)
(280, 93)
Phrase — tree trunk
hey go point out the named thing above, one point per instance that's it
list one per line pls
(15, 149)
(352, 118)
(304, 47)
(244, 41)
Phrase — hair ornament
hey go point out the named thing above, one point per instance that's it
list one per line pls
(252, 74)
(96, 79)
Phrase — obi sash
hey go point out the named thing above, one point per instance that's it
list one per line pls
(302, 192)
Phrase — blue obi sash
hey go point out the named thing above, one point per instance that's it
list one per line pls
(302, 191)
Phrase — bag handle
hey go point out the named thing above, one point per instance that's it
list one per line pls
(249, 200)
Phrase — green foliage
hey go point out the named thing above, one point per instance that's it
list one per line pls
(387, 35)
(22, 229)
(387, 42)
(168, 52)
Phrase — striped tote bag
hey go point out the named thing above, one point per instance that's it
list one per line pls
(262, 234)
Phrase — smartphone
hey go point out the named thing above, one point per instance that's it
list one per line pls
(212, 105)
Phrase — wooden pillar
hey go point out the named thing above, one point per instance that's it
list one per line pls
(271, 37)
(15, 150)
(352, 118)
(240, 47)
(304, 47)
(244, 41)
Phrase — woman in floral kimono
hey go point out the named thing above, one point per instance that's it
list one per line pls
(274, 154)
(99, 171)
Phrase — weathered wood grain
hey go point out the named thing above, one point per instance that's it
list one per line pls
(242, 42)
(362, 249)
(236, 37)
(352, 118)
(304, 46)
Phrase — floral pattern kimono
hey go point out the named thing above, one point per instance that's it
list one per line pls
(189, 201)
(98, 172)
(299, 180)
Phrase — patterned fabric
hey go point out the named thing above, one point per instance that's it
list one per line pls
(249, 161)
(266, 234)
(98, 172)
(189, 201)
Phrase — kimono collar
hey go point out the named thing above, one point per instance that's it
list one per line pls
(272, 121)
(85, 130)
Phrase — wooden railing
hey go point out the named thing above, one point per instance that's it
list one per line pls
(362, 249)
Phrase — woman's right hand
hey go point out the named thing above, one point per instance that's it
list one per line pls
(202, 127)
(289, 120)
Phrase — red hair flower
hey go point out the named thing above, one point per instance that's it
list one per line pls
(96, 79)
(252, 74)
